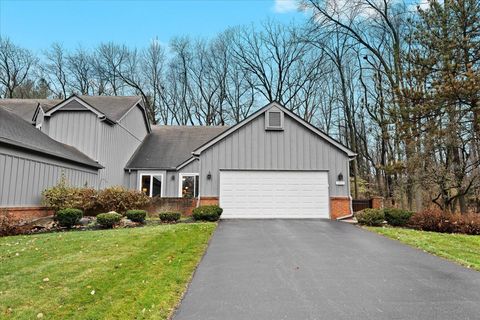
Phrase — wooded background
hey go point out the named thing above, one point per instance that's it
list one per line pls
(398, 84)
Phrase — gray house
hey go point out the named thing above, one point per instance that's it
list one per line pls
(31, 161)
(271, 165)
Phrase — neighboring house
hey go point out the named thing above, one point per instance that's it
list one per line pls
(31, 161)
(271, 165)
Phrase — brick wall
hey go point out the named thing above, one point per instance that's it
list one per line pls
(339, 207)
(26, 214)
(208, 201)
(182, 205)
(377, 203)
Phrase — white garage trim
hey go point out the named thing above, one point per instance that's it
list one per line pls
(274, 194)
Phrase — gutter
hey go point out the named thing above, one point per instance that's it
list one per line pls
(350, 196)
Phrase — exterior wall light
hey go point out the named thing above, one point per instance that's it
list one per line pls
(340, 177)
(209, 176)
(340, 181)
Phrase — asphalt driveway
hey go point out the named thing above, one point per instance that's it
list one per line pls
(319, 269)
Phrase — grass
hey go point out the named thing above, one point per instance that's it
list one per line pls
(138, 273)
(460, 248)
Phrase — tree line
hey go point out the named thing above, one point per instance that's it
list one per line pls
(399, 85)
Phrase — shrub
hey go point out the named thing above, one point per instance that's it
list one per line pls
(109, 219)
(63, 196)
(207, 213)
(439, 221)
(119, 199)
(136, 215)
(169, 216)
(68, 217)
(371, 217)
(397, 217)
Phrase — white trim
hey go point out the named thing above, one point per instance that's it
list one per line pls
(180, 182)
(185, 163)
(259, 112)
(152, 173)
(63, 103)
(144, 112)
(267, 120)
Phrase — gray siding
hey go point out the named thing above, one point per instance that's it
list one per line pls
(23, 176)
(111, 145)
(134, 122)
(80, 129)
(294, 148)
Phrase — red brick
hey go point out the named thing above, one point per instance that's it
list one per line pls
(340, 207)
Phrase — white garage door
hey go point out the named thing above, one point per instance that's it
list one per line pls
(274, 194)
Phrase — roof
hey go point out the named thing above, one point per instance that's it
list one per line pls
(167, 147)
(113, 107)
(18, 132)
(25, 108)
(259, 112)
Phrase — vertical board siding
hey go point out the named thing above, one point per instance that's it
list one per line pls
(294, 148)
(23, 178)
(76, 128)
(110, 145)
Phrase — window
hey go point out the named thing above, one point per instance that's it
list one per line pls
(274, 119)
(189, 185)
(151, 184)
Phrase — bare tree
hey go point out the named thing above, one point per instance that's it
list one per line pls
(16, 65)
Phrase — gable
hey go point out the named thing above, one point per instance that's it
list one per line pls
(285, 112)
(74, 105)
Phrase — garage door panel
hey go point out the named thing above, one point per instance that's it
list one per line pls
(274, 194)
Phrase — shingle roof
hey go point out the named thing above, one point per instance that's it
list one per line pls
(18, 132)
(166, 147)
(113, 107)
(25, 108)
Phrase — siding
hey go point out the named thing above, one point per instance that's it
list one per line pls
(111, 145)
(295, 148)
(79, 129)
(134, 122)
(23, 176)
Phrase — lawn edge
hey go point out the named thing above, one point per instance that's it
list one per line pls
(189, 281)
(420, 249)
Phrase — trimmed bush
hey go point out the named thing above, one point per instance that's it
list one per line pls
(109, 219)
(371, 217)
(438, 221)
(207, 213)
(169, 216)
(136, 215)
(397, 217)
(68, 217)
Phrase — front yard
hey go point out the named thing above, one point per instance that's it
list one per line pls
(138, 273)
(463, 249)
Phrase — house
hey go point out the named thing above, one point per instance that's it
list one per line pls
(271, 165)
(31, 161)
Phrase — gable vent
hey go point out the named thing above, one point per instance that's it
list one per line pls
(274, 120)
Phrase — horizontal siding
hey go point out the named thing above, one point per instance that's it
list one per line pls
(24, 176)
(294, 148)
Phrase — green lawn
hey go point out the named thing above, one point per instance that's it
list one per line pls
(138, 273)
(460, 248)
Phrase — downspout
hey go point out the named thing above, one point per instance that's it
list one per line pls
(199, 181)
(349, 194)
